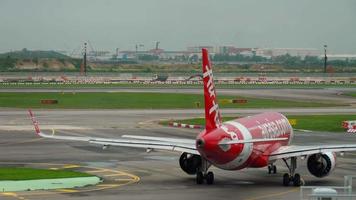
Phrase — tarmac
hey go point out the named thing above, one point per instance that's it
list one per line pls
(131, 173)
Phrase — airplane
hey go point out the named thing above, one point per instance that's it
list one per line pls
(249, 142)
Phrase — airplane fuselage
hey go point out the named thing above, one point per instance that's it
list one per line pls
(212, 146)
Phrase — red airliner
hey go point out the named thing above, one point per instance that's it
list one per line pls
(250, 142)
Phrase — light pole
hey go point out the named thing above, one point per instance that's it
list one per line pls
(325, 58)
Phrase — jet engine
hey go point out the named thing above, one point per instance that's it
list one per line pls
(321, 165)
(190, 163)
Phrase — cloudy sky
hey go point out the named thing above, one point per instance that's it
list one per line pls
(108, 24)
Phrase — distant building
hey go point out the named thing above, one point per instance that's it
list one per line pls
(197, 49)
(273, 52)
(339, 56)
(231, 50)
(99, 55)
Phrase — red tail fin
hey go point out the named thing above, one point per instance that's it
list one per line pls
(34, 121)
(212, 113)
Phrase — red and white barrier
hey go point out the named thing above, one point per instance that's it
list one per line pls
(175, 124)
(351, 131)
(349, 124)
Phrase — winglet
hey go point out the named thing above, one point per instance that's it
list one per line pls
(35, 122)
(212, 113)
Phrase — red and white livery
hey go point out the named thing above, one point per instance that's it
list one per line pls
(249, 142)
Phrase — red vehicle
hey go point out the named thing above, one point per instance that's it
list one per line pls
(250, 142)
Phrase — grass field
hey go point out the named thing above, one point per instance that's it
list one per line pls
(15, 174)
(125, 100)
(137, 85)
(328, 123)
(351, 94)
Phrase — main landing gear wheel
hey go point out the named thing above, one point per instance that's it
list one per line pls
(200, 178)
(296, 180)
(292, 176)
(286, 179)
(209, 177)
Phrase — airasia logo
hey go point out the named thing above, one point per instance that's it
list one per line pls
(209, 84)
(211, 90)
(275, 128)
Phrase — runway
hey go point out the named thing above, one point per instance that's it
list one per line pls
(134, 174)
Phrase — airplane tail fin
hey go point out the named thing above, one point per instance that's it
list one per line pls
(35, 122)
(212, 113)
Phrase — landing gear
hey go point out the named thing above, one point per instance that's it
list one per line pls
(272, 169)
(200, 178)
(203, 174)
(210, 178)
(296, 180)
(286, 179)
(292, 176)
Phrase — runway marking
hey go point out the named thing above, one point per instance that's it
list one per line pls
(97, 171)
(107, 185)
(67, 190)
(13, 195)
(111, 175)
(70, 166)
(273, 194)
(123, 179)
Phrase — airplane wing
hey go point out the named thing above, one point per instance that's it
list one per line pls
(297, 151)
(145, 142)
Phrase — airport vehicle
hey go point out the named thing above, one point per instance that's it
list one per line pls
(249, 142)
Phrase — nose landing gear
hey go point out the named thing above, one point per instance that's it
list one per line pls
(272, 169)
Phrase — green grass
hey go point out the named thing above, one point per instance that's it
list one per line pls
(327, 123)
(126, 100)
(7, 173)
(351, 94)
(137, 85)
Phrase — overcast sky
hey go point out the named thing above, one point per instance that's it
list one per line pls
(107, 24)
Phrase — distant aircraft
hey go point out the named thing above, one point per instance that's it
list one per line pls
(250, 142)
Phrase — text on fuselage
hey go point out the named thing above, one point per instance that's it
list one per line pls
(274, 129)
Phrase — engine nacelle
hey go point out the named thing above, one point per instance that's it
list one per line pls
(190, 163)
(321, 165)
